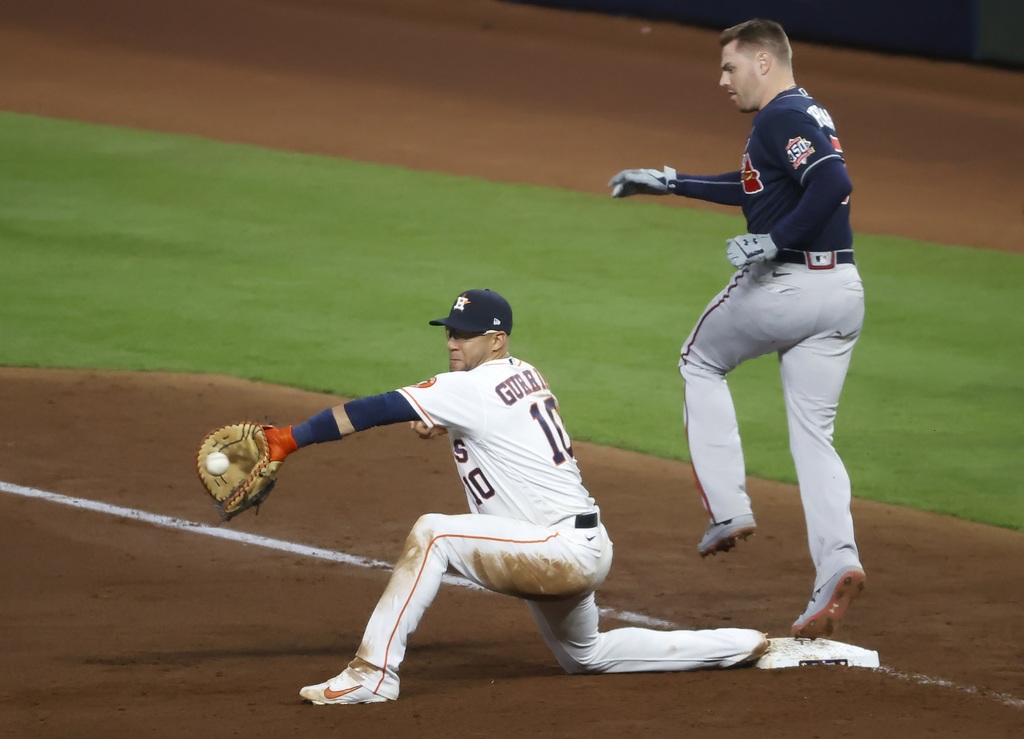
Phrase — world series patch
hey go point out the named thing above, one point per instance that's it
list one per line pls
(798, 150)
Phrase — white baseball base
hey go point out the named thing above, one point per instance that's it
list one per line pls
(791, 652)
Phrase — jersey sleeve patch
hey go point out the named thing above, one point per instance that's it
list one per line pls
(798, 150)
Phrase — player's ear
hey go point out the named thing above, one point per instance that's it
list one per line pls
(764, 61)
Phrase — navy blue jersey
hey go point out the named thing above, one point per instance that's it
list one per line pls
(792, 149)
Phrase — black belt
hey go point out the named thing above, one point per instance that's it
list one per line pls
(587, 521)
(815, 259)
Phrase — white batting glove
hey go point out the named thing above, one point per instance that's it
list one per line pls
(641, 182)
(750, 248)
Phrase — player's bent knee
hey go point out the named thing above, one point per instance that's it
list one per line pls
(421, 537)
(578, 660)
(573, 666)
(693, 370)
(426, 528)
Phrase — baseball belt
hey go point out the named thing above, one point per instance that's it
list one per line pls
(815, 259)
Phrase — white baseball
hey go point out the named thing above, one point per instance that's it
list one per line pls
(217, 463)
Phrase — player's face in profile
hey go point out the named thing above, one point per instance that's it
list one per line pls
(467, 351)
(739, 77)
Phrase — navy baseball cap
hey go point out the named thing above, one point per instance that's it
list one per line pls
(478, 311)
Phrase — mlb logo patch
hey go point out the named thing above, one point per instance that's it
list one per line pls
(820, 259)
(798, 150)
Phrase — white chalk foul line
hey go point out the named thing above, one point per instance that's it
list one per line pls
(368, 563)
(281, 545)
(1005, 698)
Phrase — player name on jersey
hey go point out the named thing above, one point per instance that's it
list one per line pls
(519, 385)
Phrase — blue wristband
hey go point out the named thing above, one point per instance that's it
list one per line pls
(317, 429)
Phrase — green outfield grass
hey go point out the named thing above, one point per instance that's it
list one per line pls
(132, 250)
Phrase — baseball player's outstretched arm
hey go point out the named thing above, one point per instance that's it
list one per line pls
(340, 421)
(724, 189)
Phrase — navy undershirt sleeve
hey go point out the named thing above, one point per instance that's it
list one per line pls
(317, 429)
(827, 185)
(379, 410)
(724, 189)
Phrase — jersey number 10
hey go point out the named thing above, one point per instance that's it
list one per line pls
(477, 484)
(562, 446)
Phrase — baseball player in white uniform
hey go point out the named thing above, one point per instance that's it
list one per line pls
(533, 530)
(797, 293)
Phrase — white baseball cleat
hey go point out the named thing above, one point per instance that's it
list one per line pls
(829, 603)
(721, 537)
(340, 689)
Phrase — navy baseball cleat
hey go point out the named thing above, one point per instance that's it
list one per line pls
(829, 603)
(721, 537)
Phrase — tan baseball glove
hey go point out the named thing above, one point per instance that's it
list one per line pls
(245, 478)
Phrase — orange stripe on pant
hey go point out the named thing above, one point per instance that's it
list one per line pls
(416, 583)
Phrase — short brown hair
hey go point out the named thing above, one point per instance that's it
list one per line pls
(763, 33)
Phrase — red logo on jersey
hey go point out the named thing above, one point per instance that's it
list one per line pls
(835, 144)
(798, 150)
(427, 383)
(750, 177)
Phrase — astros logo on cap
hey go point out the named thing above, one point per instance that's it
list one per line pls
(461, 302)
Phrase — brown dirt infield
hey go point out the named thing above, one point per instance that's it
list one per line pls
(115, 627)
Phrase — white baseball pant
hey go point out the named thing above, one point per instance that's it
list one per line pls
(556, 570)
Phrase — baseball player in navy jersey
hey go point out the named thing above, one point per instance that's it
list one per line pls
(533, 530)
(796, 292)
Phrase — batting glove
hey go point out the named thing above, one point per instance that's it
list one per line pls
(642, 182)
(750, 248)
